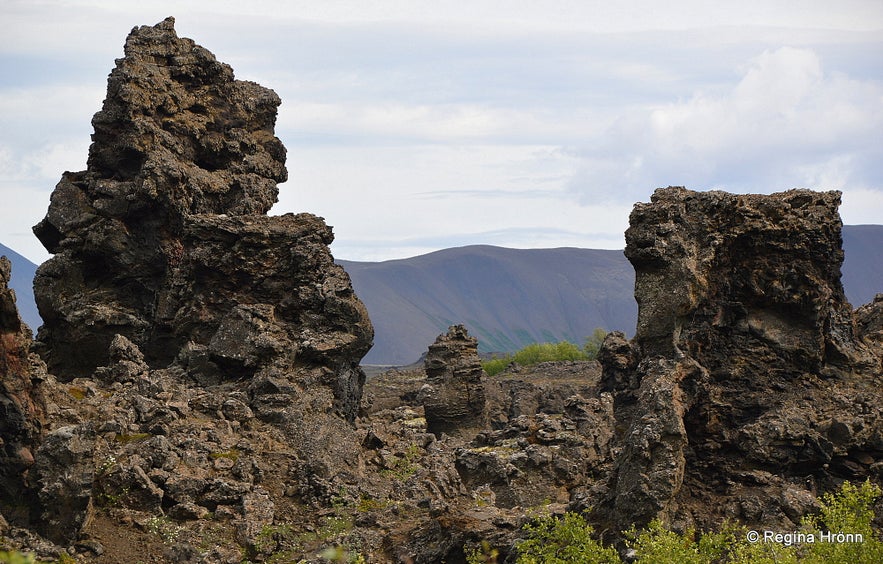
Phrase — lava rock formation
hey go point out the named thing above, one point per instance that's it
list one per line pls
(747, 374)
(164, 239)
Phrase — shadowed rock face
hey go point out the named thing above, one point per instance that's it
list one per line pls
(454, 398)
(22, 409)
(747, 360)
(164, 239)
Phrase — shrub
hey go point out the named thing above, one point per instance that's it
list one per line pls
(536, 353)
(657, 544)
(553, 540)
(15, 557)
(848, 511)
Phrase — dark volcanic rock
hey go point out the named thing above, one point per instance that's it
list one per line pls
(869, 322)
(164, 238)
(749, 360)
(22, 409)
(63, 472)
(454, 398)
(171, 291)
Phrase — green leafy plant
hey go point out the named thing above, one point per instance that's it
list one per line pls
(536, 353)
(483, 553)
(15, 557)
(842, 533)
(845, 518)
(559, 540)
(657, 544)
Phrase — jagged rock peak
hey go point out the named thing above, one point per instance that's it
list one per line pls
(164, 239)
(746, 358)
(177, 124)
(764, 264)
(454, 398)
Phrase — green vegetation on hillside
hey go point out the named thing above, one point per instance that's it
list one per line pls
(842, 533)
(548, 352)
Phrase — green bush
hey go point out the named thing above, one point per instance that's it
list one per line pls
(657, 544)
(553, 540)
(845, 512)
(536, 353)
(15, 557)
(848, 511)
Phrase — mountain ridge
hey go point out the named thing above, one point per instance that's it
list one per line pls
(412, 300)
(506, 297)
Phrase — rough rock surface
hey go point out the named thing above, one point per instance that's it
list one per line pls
(454, 399)
(170, 281)
(164, 238)
(22, 412)
(751, 384)
(869, 322)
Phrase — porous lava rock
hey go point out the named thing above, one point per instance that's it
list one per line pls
(164, 239)
(869, 322)
(22, 409)
(454, 397)
(747, 381)
(178, 315)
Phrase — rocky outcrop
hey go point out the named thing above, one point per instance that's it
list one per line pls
(454, 398)
(869, 322)
(22, 409)
(164, 238)
(172, 296)
(746, 361)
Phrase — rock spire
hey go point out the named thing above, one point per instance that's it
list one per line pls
(164, 238)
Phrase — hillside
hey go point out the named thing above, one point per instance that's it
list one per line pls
(863, 263)
(506, 297)
(22, 283)
(510, 297)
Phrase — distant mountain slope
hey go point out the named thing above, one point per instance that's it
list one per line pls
(509, 297)
(23, 283)
(862, 270)
(506, 297)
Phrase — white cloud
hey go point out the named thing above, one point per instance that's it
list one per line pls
(862, 206)
(416, 124)
(785, 123)
(390, 201)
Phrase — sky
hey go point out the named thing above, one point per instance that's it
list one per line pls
(413, 126)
